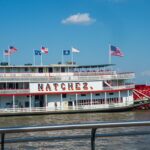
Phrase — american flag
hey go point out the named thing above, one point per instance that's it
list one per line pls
(7, 53)
(44, 50)
(12, 49)
(115, 51)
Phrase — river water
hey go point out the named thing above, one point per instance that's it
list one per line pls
(114, 143)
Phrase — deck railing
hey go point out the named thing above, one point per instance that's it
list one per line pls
(45, 77)
(93, 126)
(63, 109)
(14, 91)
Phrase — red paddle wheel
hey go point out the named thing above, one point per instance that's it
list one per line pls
(142, 92)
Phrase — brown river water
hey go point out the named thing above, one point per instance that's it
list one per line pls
(113, 143)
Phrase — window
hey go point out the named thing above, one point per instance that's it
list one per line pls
(64, 95)
(50, 69)
(26, 69)
(83, 94)
(62, 69)
(111, 93)
(70, 103)
(40, 70)
(97, 94)
(26, 104)
(36, 96)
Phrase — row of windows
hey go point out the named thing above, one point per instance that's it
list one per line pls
(97, 94)
(101, 101)
(14, 85)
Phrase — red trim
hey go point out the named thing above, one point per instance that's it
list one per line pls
(55, 93)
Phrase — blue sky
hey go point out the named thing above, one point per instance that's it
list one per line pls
(88, 25)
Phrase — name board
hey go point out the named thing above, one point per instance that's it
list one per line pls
(65, 87)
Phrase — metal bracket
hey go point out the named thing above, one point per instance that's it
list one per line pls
(2, 141)
(93, 132)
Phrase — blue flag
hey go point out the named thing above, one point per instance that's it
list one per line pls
(37, 52)
(66, 52)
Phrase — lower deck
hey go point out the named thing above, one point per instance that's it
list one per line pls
(66, 102)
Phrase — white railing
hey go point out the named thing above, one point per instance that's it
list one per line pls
(67, 108)
(14, 91)
(120, 87)
(44, 77)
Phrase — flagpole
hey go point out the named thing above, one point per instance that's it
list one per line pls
(8, 60)
(71, 56)
(62, 59)
(3, 55)
(33, 58)
(41, 60)
(109, 55)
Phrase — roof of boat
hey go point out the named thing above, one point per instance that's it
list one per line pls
(56, 65)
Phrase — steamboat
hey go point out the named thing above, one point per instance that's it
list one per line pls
(64, 88)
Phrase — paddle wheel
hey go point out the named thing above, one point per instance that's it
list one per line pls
(141, 96)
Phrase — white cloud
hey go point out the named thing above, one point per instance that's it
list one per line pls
(79, 19)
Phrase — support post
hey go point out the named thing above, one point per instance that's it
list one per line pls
(76, 101)
(93, 132)
(105, 98)
(2, 141)
(30, 105)
(91, 95)
(61, 102)
(46, 102)
(119, 96)
(13, 102)
(127, 97)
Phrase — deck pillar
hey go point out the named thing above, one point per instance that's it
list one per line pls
(76, 101)
(119, 97)
(105, 98)
(46, 101)
(14, 102)
(30, 105)
(61, 102)
(91, 96)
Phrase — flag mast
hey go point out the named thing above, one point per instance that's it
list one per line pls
(72, 56)
(33, 57)
(41, 60)
(9, 60)
(109, 54)
(9, 56)
(62, 58)
(41, 56)
(3, 55)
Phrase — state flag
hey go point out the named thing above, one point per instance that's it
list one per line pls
(66, 52)
(37, 52)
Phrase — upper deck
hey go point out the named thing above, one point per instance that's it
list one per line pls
(61, 72)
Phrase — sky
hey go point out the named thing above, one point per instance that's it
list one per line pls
(87, 25)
